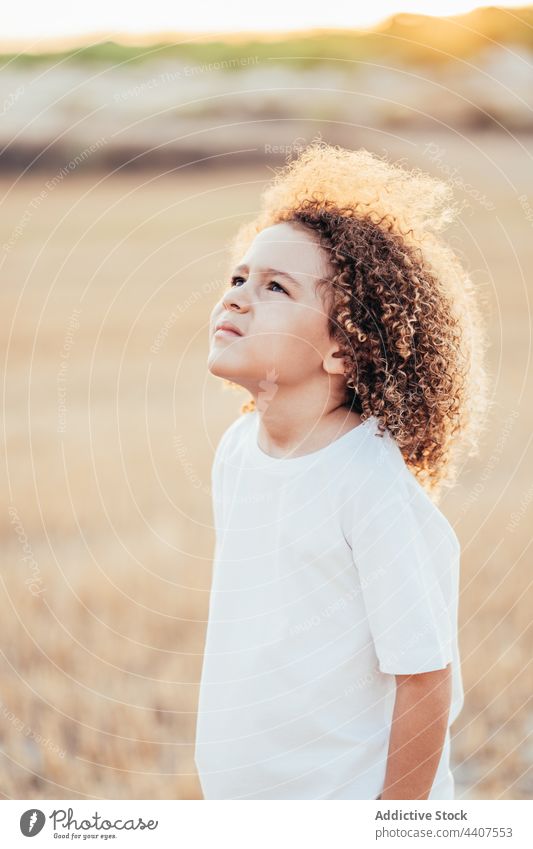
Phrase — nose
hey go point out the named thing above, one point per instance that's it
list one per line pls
(232, 300)
(235, 298)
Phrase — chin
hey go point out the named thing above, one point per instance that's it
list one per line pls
(218, 368)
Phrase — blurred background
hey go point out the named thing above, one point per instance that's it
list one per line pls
(132, 145)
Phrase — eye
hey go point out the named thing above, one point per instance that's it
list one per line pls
(272, 283)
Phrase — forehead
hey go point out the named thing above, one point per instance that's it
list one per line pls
(288, 248)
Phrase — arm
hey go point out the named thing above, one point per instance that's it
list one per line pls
(419, 726)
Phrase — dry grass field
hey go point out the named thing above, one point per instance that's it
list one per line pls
(110, 424)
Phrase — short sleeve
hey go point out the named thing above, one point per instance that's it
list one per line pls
(405, 560)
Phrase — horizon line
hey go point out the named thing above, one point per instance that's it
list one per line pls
(56, 44)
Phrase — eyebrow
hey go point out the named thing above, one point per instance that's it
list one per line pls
(274, 271)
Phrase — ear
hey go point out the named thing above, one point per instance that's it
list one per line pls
(333, 361)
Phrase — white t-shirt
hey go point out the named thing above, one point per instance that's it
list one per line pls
(333, 571)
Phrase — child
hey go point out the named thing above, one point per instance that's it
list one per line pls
(331, 667)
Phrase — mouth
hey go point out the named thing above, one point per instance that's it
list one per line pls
(227, 330)
(224, 332)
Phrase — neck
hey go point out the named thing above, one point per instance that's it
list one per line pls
(296, 421)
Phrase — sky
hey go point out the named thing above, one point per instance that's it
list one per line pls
(35, 20)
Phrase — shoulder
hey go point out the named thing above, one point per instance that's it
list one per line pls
(380, 487)
(375, 465)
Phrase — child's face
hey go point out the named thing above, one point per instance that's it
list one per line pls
(284, 323)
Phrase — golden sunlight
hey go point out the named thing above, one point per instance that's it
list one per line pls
(61, 18)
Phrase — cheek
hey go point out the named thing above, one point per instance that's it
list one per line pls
(306, 333)
(296, 348)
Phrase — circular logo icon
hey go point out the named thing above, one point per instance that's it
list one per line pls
(32, 822)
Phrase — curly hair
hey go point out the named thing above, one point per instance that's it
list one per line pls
(401, 306)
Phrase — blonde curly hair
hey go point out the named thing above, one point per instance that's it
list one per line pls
(400, 304)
